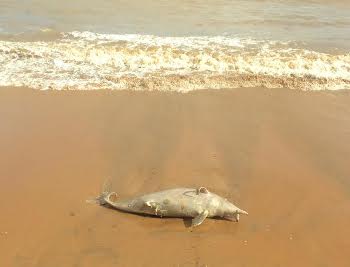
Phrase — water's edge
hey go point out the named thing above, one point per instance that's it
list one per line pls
(87, 61)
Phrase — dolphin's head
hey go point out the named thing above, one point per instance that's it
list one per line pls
(232, 212)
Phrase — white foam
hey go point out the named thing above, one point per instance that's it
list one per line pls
(86, 60)
(193, 41)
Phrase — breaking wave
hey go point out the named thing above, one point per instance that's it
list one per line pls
(86, 60)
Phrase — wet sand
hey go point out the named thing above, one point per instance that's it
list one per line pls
(281, 155)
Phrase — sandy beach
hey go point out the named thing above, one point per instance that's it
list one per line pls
(141, 93)
(282, 155)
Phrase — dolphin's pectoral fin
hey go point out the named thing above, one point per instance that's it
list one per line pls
(202, 190)
(199, 218)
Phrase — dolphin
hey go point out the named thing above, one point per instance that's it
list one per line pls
(195, 203)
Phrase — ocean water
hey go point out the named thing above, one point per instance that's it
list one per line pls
(178, 45)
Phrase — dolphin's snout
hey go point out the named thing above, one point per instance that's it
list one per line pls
(242, 212)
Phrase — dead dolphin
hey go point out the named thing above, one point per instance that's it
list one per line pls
(198, 204)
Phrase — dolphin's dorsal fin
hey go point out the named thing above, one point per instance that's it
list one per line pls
(199, 218)
(202, 190)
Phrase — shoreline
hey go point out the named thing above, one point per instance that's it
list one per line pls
(104, 91)
(280, 154)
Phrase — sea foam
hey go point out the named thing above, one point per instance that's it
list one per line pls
(86, 60)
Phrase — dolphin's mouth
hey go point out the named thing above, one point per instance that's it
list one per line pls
(233, 218)
(230, 218)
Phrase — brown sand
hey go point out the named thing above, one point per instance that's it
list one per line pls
(281, 155)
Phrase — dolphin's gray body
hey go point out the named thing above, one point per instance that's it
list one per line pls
(179, 202)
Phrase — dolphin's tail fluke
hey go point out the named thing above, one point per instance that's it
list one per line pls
(106, 190)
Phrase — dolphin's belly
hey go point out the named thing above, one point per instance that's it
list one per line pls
(172, 203)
